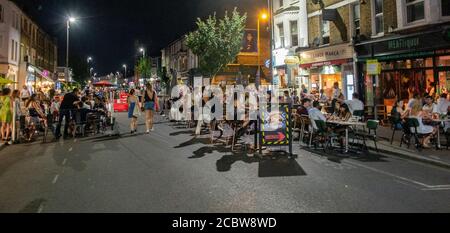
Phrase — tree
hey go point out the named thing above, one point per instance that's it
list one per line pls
(144, 67)
(217, 42)
(79, 68)
(165, 78)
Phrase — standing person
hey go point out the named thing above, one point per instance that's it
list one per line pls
(6, 112)
(149, 100)
(336, 91)
(133, 110)
(25, 94)
(68, 105)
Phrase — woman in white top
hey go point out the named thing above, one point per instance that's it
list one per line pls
(417, 113)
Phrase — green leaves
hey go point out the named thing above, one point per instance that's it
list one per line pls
(144, 67)
(217, 42)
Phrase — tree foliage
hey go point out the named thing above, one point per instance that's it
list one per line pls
(144, 67)
(217, 42)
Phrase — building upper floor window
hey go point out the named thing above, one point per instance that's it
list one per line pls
(356, 8)
(281, 3)
(415, 10)
(378, 17)
(445, 5)
(325, 32)
(281, 33)
(1, 13)
(294, 33)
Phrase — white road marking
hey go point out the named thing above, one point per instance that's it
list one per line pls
(70, 149)
(64, 162)
(426, 186)
(55, 179)
(40, 209)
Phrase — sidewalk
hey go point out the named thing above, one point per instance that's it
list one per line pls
(431, 156)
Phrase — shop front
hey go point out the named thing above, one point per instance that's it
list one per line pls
(417, 63)
(38, 79)
(321, 68)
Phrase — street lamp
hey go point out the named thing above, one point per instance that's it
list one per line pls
(69, 20)
(142, 51)
(263, 16)
(125, 66)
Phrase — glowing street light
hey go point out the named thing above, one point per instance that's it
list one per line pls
(125, 66)
(142, 51)
(69, 20)
(262, 16)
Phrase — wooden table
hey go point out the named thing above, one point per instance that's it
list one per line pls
(347, 125)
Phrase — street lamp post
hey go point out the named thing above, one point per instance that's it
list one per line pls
(262, 16)
(125, 66)
(69, 20)
(143, 52)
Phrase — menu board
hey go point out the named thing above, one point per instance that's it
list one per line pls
(276, 127)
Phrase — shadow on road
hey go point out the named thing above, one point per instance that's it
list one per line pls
(338, 157)
(193, 141)
(190, 132)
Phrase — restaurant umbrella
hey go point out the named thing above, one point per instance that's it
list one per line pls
(103, 84)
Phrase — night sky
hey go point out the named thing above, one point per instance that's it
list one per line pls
(108, 29)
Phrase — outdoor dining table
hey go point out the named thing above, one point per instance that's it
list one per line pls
(347, 125)
(440, 121)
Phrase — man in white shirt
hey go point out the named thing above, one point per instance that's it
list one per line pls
(355, 104)
(316, 114)
(443, 105)
(25, 93)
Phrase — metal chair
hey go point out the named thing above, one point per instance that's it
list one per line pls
(372, 127)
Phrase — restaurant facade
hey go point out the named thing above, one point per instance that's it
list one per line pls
(321, 68)
(413, 63)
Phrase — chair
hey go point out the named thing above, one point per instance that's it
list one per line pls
(305, 129)
(381, 113)
(81, 121)
(412, 123)
(359, 114)
(396, 123)
(323, 135)
(372, 127)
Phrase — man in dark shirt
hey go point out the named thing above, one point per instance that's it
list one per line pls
(68, 105)
(304, 107)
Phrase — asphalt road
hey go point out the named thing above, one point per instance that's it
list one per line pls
(169, 171)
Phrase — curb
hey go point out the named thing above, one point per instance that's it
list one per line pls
(413, 157)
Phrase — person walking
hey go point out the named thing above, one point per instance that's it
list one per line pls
(6, 111)
(149, 106)
(133, 110)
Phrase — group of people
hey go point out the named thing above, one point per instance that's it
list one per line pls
(146, 102)
(424, 109)
(36, 108)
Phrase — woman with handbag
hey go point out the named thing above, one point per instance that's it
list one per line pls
(149, 105)
(133, 110)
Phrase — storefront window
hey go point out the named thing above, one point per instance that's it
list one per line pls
(445, 7)
(444, 61)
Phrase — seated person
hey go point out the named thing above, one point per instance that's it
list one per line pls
(355, 104)
(316, 114)
(302, 110)
(430, 107)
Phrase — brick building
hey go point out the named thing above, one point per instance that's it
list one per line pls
(410, 41)
(330, 57)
